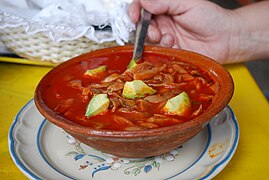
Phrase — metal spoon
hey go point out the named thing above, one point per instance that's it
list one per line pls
(141, 32)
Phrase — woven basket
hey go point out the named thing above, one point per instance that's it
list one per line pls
(39, 47)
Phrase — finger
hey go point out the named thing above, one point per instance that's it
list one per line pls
(154, 33)
(167, 40)
(134, 11)
(165, 23)
(171, 7)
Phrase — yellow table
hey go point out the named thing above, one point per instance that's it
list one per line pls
(18, 82)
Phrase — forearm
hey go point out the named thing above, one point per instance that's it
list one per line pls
(252, 38)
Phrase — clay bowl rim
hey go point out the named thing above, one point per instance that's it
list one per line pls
(220, 101)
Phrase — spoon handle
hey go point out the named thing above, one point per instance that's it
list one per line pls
(141, 32)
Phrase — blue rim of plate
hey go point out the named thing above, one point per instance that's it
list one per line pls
(38, 141)
(12, 144)
(20, 165)
(232, 150)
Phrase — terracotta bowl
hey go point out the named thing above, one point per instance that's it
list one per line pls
(142, 143)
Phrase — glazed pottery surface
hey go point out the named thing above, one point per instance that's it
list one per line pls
(150, 142)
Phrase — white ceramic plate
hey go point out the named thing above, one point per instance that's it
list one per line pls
(43, 151)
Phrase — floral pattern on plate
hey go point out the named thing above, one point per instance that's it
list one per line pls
(110, 162)
(43, 151)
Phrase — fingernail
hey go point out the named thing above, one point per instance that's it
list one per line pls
(167, 40)
(153, 34)
(131, 16)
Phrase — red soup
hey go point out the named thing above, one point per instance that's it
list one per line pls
(158, 91)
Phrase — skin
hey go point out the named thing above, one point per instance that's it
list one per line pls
(228, 36)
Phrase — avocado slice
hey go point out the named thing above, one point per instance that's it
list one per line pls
(132, 64)
(97, 105)
(94, 72)
(136, 89)
(179, 105)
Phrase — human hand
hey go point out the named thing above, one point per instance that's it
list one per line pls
(195, 25)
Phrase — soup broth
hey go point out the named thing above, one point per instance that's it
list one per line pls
(71, 90)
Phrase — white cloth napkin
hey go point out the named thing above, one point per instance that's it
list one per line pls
(70, 19)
